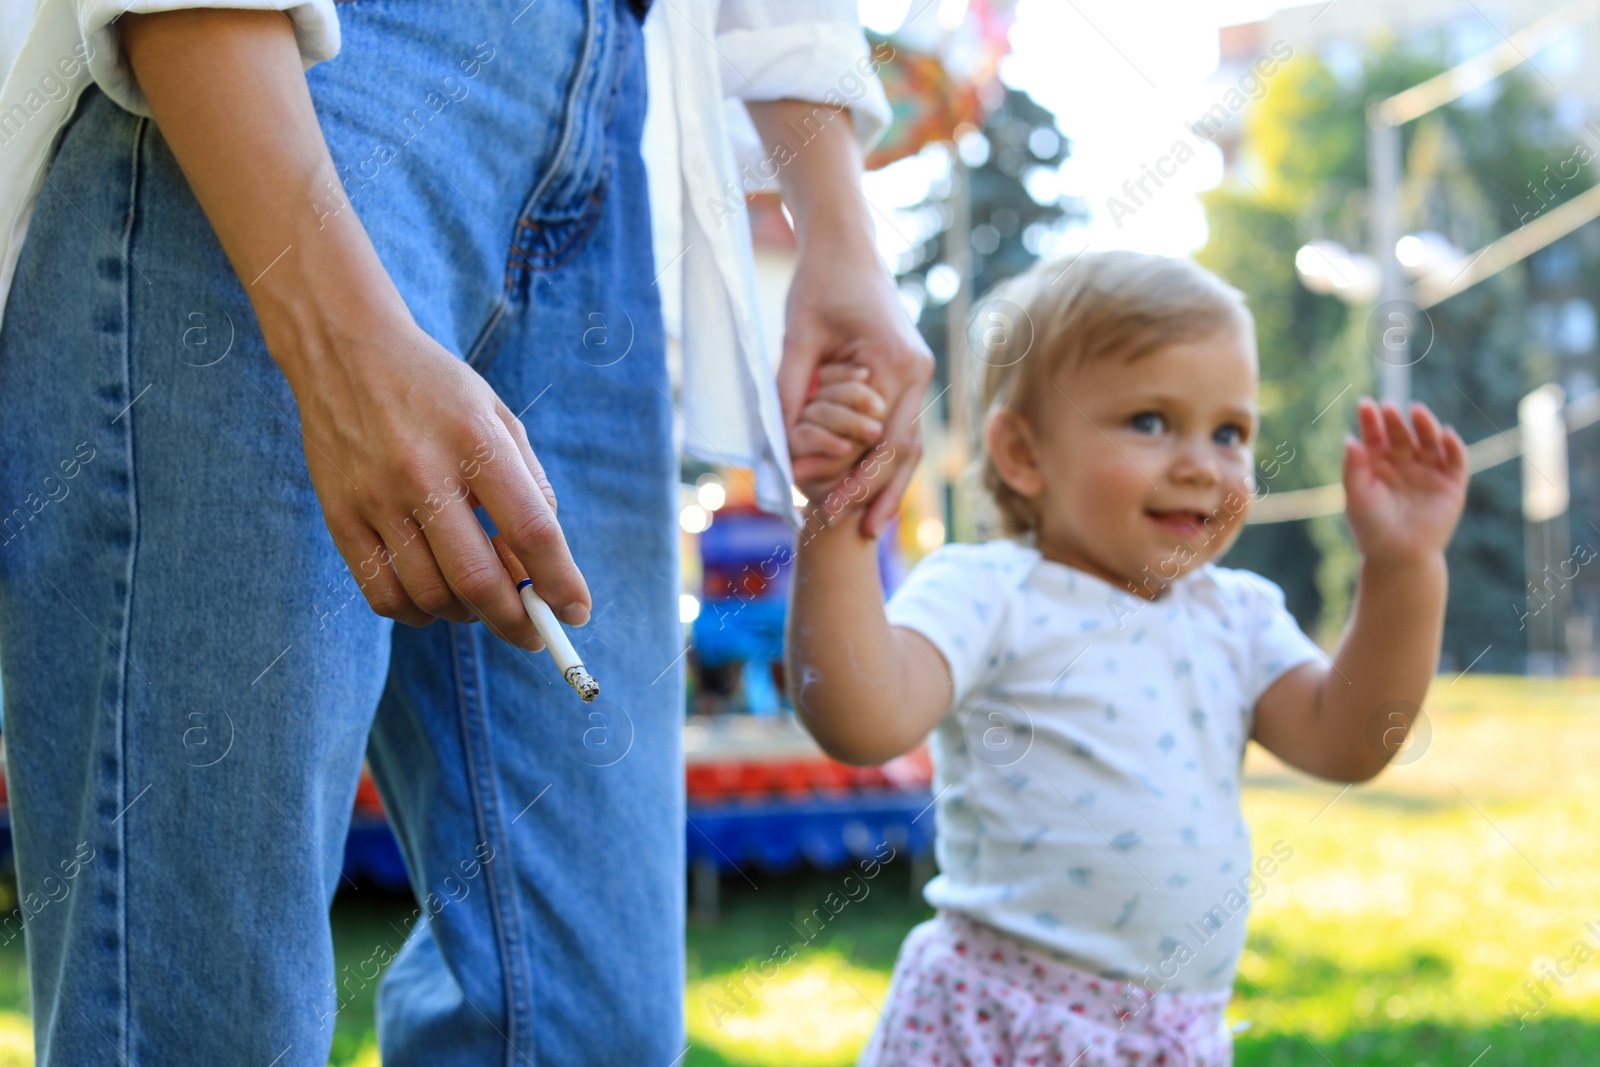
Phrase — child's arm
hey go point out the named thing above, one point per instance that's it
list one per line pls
(1404, 492)
(866, 690)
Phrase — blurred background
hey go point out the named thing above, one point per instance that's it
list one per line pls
(1404, 189)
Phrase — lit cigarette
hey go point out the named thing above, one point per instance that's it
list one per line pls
(544, 620)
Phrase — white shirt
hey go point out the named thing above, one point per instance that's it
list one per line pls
(704, 59)
(1087, 772)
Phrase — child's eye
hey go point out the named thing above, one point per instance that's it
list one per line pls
(1239, 434)
(1148, 422)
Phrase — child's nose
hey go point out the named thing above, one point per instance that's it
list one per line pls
(1196, 461)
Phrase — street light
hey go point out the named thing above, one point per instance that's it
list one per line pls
(1426, 252)
(1408, 305)
(1330, 269)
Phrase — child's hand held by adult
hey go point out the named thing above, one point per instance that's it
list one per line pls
(843, 416)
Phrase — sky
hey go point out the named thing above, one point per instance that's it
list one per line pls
(1123, 79)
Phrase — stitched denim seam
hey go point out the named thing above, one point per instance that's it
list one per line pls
(521, 258)
(125, 1020)
(571, 111)
(507, 932)
(619, 66)
(575, 110)
(487, 343)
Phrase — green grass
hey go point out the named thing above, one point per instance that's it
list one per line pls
(1412, 911)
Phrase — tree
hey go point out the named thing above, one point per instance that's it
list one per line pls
(1465, 168)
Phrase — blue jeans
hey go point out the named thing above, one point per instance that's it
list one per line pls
(191, 675)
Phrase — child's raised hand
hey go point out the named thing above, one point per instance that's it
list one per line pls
(1404, 488)
(842, 418)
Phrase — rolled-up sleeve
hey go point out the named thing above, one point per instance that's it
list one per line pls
(315, 23)
(813, 50)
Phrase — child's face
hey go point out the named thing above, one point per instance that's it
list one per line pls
(1143, 471)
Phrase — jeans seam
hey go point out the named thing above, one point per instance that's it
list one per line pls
(574, 112)
(125, 1021)
(487, 344)
(520, 259)
(502, 918)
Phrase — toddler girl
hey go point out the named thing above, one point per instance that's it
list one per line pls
(1090, 679)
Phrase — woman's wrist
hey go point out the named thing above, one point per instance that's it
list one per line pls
(840, 228)
(327, 291)
(820, 172)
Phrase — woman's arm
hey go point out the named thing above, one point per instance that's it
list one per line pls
(843, 304)
(401, 438)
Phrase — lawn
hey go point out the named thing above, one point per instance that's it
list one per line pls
(1411, 914)
(1412, 911)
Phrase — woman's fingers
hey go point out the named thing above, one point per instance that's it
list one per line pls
(887, 504)
(519, 435)
(838, 371)
(411, 553)
(510, 492)
(477, 577)
(899, 450)
(369, 560)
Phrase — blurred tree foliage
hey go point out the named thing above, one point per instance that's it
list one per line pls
(1006, 225)
(1469, 169)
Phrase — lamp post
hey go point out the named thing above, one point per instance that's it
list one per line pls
(1395, 314)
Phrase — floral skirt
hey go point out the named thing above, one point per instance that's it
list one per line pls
(965, 994)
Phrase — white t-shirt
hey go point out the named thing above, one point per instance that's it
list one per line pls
(1087, 773)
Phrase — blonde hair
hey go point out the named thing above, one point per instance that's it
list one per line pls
(1067, 311)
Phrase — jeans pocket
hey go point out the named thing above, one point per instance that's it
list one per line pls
(548, 238)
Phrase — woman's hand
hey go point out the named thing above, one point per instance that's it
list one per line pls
(1404, 489)
(843, 306)
(402, 439)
